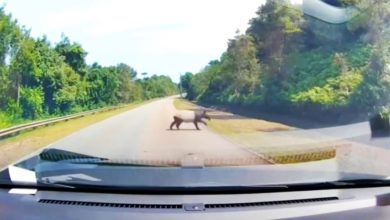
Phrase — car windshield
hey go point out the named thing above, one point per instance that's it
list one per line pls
(195, 93)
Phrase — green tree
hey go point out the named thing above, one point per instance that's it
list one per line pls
(74, 55)
(158, 86)
(306, 64)
(245, 67)
(128, 89)
(186, 85)
(32, 102)
(10, 36)
(38, 79)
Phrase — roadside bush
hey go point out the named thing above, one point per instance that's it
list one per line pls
(32, 101)
(4, 120)
(336, 92)
(14, 110)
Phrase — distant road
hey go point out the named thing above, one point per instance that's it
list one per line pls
(143, 133)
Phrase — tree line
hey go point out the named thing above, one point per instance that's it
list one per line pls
(288, 61)
(38, 79)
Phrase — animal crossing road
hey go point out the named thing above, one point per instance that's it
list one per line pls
(143, 133)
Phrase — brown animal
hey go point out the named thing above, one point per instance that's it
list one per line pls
(188, 117)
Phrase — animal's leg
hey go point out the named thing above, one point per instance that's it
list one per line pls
(175, 120)
(203, 122)
(178, 124)
(196, 125)
(173, 123)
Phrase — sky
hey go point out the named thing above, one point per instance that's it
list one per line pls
(164, 37)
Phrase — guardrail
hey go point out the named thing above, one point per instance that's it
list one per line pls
(29, 126)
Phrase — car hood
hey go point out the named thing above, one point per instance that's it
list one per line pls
(83, 170)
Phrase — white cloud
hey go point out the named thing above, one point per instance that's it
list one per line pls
(135, 31)
(115, 16)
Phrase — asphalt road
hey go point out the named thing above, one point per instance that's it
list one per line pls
(143, 134)
(356, 133)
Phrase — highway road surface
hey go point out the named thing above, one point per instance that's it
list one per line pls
(143, 134)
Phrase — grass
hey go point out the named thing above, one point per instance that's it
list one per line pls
(252, 133)
(300, 157)
(245, 125)
(183, 104)
(13, 148)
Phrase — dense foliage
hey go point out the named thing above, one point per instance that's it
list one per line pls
(293, 62)
(38, 79)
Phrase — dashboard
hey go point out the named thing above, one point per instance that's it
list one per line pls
(358, 203)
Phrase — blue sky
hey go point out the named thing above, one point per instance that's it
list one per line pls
(158, 37)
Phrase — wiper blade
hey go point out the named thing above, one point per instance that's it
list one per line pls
(52, 154)
(56, 155)
(109, 162)
(81, 186)
(140, 189)
(340, 184)
(360, 182)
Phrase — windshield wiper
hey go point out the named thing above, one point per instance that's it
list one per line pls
(57, 155)
(61, 185)
(54, 155)
(341, 184)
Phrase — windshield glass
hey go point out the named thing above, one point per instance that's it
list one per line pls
(283, 91)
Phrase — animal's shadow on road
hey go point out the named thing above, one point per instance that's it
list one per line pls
(183, 129)
(217, 114)
(221, 116)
